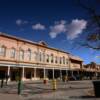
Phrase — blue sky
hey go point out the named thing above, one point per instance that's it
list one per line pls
(61, 23)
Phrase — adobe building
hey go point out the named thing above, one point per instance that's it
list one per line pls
(92, 70)
(35, 61)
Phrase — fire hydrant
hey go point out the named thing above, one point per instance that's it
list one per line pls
(54, 84)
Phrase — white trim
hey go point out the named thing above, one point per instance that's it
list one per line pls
(23, 76)
(32, 66)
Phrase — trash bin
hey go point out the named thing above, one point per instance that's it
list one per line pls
(96, 88)
(54, 84)
(45, 81)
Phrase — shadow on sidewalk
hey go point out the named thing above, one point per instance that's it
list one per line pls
(83, 97)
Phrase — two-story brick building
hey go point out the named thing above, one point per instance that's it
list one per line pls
(34, 60)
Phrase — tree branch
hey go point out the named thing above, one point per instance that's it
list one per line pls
(92, 11)
(89, 46)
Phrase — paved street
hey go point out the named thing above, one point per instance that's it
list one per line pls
(73, 90)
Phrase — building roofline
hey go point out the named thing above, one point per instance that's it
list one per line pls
(75, 58)
(31, 42)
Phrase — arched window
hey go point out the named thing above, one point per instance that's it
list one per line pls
(52, 58)
(29, 54)
(47, 58)
(40, 56)
(43, 57)
(60, 60)
(56, 59)
(12, 53)
(2, 51)
(63, 60)
(66, 61)
(21, 55)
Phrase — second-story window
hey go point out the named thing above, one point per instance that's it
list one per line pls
(43, 57)
(63, 60)
(51, 58)
(56, 59)
(47, 58)
(2, 51)
(29, 54)
(21, 55)
(66, 61)
(40, 56)
(60, 60)
(12, 53)
(35, 55)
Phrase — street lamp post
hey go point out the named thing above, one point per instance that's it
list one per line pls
(19, 82)
(19, 72)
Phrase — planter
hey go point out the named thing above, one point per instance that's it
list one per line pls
(96, 88)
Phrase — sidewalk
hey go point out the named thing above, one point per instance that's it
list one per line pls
(10, 97)
(72, 90)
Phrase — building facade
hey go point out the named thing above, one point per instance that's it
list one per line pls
(33, 61)
(92, 70)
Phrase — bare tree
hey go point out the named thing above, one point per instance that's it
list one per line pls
(92, 8)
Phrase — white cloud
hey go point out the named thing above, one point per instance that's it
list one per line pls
(75, 28)
(38, 26)
(58, 28)
(72, 29)
(20, 22)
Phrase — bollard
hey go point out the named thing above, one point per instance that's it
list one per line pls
(2, 82)
(54, 84)
(19, 87)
